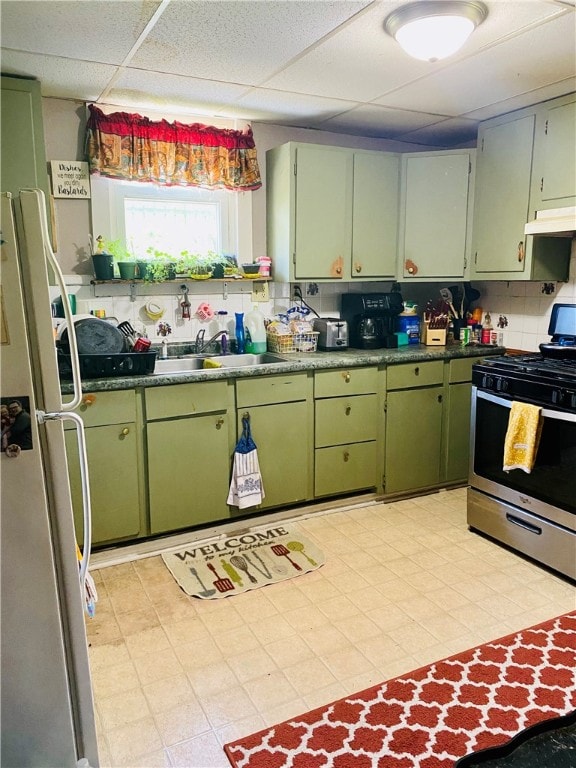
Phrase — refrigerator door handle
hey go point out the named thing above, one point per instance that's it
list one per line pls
(85, 482)
(51, 259)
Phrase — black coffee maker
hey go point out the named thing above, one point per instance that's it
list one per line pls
(371, 319)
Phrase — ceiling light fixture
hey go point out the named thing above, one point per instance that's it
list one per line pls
(434, 29)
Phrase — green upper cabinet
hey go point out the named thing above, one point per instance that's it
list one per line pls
(331, 212)
(322, 234)
(23, 158)
(525, 163)
(375, 215)
(435, 214)
(502, 196)
(554, 182)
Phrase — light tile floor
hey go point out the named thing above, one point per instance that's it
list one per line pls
(404, 584)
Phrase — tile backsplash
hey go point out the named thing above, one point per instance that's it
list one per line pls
(525, 306)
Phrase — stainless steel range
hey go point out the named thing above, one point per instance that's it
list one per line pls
(534, 513)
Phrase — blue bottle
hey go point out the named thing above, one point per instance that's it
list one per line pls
(240, 335)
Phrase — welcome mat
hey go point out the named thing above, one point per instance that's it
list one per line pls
(434, 716)
(249, 560)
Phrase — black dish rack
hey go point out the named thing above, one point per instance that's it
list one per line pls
(98, 366)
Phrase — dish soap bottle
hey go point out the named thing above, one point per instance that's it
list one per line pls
(239, 332)
(256, 329)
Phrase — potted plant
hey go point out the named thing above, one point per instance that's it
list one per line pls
(201, 265)
(160, 267)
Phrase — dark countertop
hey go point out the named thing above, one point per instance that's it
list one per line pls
(295, 361)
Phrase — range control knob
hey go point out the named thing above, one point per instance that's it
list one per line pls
(557, 396)
(487, 381)
(501, 384)
(572, 400)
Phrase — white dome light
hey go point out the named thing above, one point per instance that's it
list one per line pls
(435, 29)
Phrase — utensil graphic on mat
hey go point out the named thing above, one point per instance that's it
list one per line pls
(232, 572)
(205, 592)
(265, 571)
(239, 562)
(222, 585)
(297, 546)
(281, 551)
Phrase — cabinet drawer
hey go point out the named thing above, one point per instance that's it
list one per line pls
(345, 381)
(345, 420)
(345, 468)
(409, 375)
(186, 399)
(98, 408)
(271, 389)
(461, 369)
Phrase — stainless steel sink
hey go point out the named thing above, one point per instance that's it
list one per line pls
(196, 362)
(178, 364)
(241, 361)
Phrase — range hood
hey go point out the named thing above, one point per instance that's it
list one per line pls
(559, 222)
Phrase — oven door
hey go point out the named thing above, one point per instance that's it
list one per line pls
(549, 491)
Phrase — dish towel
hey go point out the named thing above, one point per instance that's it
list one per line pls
(246, 487)
(522, 437)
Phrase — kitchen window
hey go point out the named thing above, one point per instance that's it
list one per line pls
(172, 219)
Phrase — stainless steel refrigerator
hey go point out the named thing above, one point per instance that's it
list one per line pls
(47, 713)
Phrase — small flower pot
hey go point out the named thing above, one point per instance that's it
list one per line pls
(142, 270)
(127, 270)
(103, 265)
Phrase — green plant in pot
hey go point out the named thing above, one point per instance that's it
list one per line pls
(122, 256)
(161, 266)
(201, 265)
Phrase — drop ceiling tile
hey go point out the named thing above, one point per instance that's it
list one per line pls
(525, 100)
(60, 78)
(537, 58)
(286, 108)
(453, 132)
(136, 88)
(240, 41)
(91, 31)
(373, 120)
(359, 60)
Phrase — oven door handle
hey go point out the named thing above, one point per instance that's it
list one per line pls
(546, 412)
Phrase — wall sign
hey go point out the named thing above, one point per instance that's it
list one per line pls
(70, 179)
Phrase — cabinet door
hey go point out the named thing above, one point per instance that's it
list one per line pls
(557, 144)
(23, 161)
(114, 472)
(436, 194)
(323, 212)
(458, 432)
(413, 438)
(503, 172)
(375, 215)
(189, 468)
(283, 438)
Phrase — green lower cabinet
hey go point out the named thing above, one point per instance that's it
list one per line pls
(282, 435)
(113, 471)
(188, 471)
(458, 432)
(413, 439)
(345, 468)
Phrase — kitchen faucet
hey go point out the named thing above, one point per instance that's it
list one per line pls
(200, 345)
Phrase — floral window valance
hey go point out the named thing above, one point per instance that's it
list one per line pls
(135, 148)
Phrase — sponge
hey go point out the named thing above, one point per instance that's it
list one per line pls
(208, 363)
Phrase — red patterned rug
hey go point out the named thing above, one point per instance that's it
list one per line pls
(431, 717)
